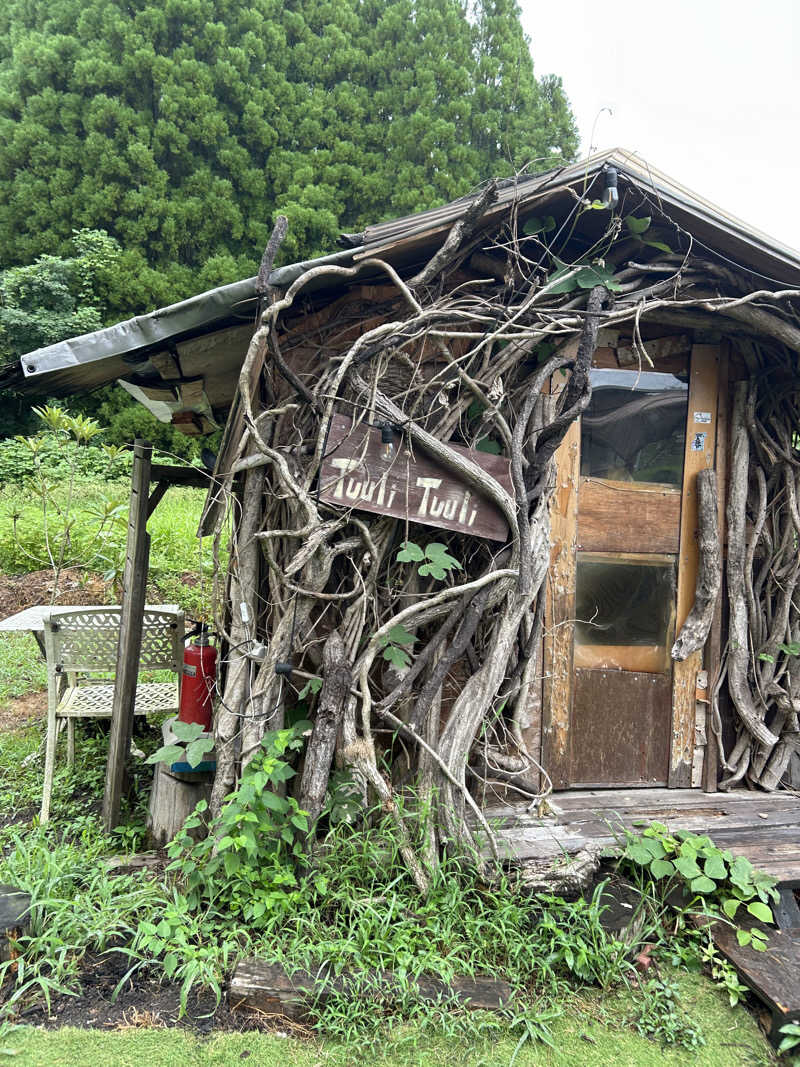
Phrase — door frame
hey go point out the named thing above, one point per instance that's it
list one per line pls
(558, 641)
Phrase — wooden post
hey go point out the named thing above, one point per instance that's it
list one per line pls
(701, 431)
(134, 587)
(560, 611)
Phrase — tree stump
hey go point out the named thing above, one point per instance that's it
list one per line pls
(173, 798)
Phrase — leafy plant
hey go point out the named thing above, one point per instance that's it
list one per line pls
(722, 882)
(194, 747)
(62, 543)
(434, 559)
(582, 275)
(535, 225)
(250, 862)
(637, 228)
(658, 1015)
(791, 1038)
(394, 645)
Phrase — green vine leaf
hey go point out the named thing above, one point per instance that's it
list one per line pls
(410, 553)
(313, 685)
(186, 731)
(166, 754)
(760, 911)
(197, 749)
(399, 635)
(398, 657)
(535, 225)
(439, 562)
(638, 226)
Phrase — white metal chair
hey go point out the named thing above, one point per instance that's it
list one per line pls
(81, 651)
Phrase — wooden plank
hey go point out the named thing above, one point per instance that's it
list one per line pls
(269, 989)
(193, 476)
(699, 454)
(134, 586)
(618, 516)
(14, 917)
(660, 348)
(619, 727)
(713, 651)
(773, 975)
(167, 365)
(355, 473)
(560, 611)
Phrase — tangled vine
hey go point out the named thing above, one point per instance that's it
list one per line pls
(424, 674)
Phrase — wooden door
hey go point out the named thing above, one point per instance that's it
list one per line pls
(617, 712)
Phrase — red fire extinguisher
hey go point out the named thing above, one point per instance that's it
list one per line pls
(199, 679)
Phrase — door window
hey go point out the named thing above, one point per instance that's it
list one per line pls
(625, 612)
(634, 427)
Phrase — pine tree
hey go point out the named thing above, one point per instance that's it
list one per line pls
(182, 126)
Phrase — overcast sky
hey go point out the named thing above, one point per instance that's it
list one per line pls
(708, 92)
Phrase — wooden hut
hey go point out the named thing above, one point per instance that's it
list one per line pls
(581, 389)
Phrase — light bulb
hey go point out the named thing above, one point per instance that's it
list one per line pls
(610, 194)
(387, 441)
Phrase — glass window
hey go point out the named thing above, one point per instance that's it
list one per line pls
(625, 611)
(634, 428)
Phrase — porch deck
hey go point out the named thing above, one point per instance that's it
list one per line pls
(764, 827)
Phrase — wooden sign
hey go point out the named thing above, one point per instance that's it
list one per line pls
(360, 471)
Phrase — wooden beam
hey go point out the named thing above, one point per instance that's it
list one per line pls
(194, 476)
(560, 611)
(134, 585)
(701, 431)
(713, 658)
(271, 990)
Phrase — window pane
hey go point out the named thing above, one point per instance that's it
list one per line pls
(625, 614)
(634, 427)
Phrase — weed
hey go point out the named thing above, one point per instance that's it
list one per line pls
(720, 883)
(76, 907)
(248, 865)
(658, 1015)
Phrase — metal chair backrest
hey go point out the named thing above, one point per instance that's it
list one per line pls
(85, 640)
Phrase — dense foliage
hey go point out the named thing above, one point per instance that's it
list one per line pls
(181, 127)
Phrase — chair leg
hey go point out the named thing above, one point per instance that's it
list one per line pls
(70, 742)
(49, 763)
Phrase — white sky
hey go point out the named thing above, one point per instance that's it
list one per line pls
(708, 92)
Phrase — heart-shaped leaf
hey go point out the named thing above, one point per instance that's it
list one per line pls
(186, 731)
(166, 754)
(638, 226)
(703, 885)
(714, 867)
(662, 869)
(688, 867)
(197, 749)
(730, 906)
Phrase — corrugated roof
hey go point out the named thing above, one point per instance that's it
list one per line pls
(87, 361)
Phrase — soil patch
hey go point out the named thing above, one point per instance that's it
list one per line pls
(75, 586)
(20, 712)
(142, 1001)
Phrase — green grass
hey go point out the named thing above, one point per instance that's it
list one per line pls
(175, 549)
(22, 666)
(591, 1032)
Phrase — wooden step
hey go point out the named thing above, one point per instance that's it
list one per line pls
(773, 975)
